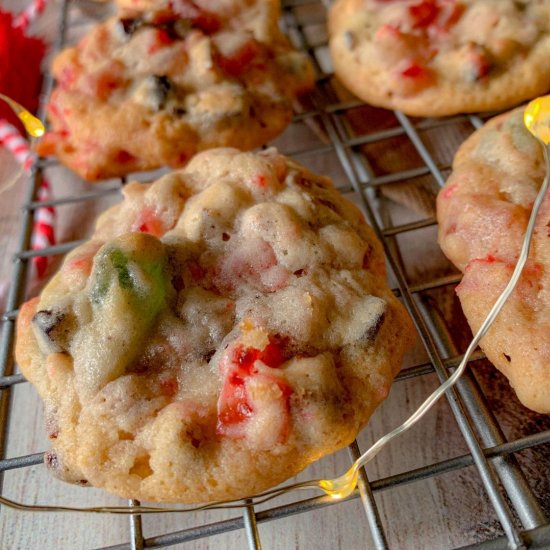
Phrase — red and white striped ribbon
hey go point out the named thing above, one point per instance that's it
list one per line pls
(44, 218)
(27, 16)
(15, 143)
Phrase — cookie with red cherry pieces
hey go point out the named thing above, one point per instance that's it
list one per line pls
(441, 57)
(483, 212)
(143, 90)
(185, 8)
(224, 327)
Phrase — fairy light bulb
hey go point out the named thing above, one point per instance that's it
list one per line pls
(32, 124)
(537, 118)
(340, 487)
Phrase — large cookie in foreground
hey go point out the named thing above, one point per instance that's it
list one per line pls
(483, 212)
(224, 327)
(147, 89)
(441, 57)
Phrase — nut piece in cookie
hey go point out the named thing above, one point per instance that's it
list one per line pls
(146, 89)
(441, 57)
(483, 212)
(224, 327)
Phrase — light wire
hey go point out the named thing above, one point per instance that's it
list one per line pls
(343, 486)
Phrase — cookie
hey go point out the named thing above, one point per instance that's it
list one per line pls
(483, 212)
(441, 57)
(184, 8)
(143, 90)
(224, 327)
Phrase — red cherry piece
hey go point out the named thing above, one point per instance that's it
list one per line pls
(102, 82)
(489, 259)
(162, 39)
(233, 407)
(235, 63)
(414, 70)
(272, 354)
(244, 359)
(67, 78)
(450, 13)
(123, 157)
(451, 230)
(169, 387)
(205, 20)
(389, 31)
(147, 222)
(260, 180)
(196, 270)
(449, 190)
(81, 264)
(424, 13)
(480, 64)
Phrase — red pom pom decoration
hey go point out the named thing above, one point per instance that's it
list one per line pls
(20, 74)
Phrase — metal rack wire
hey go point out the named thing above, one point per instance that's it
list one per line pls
(520, 513)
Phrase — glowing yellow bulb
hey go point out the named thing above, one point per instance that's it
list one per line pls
(32, 124)
(342, 486)
(537, 118)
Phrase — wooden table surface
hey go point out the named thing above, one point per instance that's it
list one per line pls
(443, 511)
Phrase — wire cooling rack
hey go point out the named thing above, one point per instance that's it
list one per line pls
(374, 155)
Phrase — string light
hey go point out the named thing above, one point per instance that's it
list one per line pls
(537, 121)
(33, 125)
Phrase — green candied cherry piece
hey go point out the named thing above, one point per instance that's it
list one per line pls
(113, 259)
(127, 289)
